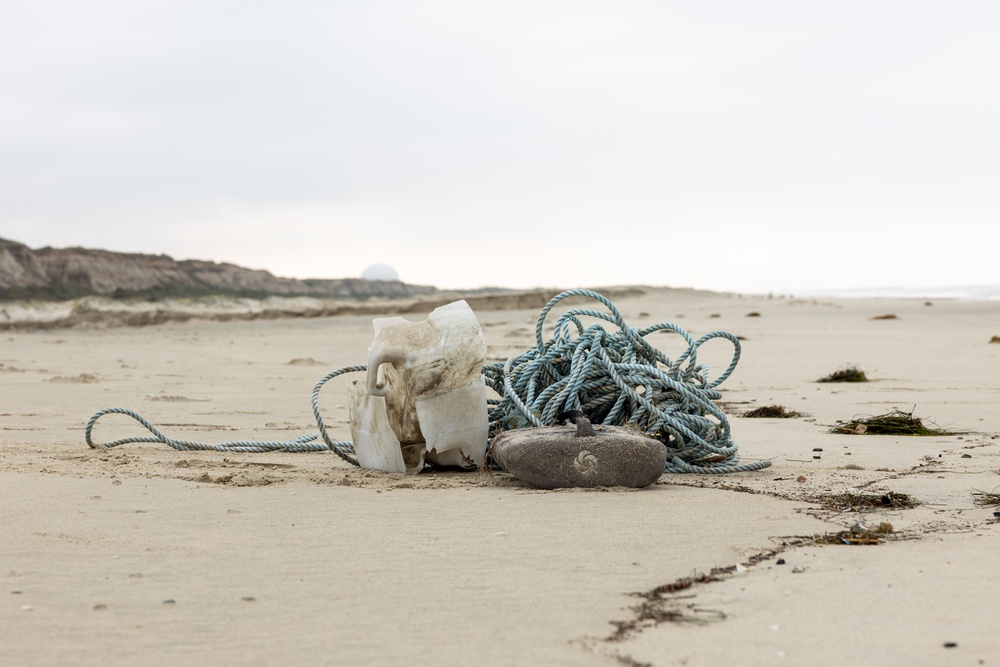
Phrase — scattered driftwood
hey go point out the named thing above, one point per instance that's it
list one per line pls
(887, 316)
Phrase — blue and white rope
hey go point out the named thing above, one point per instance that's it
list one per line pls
(305, 443)
(618, 378)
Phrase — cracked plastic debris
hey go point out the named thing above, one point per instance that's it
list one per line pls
(424, 398)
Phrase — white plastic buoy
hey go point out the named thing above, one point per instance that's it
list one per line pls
(425, 397)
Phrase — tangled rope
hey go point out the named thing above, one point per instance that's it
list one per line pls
(620, 379)
(614, 378)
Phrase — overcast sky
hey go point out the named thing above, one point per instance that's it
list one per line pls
(729, 145)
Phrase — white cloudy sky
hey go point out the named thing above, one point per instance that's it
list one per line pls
(749, 146)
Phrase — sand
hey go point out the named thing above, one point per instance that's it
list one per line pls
(146, 555)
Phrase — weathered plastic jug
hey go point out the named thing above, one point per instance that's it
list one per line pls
(425, 397)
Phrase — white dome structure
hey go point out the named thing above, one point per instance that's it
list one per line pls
(382, 272)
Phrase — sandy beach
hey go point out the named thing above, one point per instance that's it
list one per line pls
(142, 554)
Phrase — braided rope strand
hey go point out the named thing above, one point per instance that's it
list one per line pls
(304, 443)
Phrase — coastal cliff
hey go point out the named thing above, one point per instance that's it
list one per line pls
(68, 273)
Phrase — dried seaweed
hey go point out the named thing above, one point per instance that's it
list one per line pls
(858, 535)
(896, 422)
(662, 605)
(986, 497)
(861, 502)
(772, 411)
(849, 374)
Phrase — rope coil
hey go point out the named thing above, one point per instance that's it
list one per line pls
(619, 379)
(615, 378)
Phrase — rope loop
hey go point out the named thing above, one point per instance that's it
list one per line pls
(304, 443)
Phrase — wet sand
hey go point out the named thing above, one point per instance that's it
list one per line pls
(147, 554)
